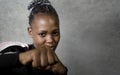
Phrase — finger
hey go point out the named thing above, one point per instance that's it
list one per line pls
(48, 68)
(50, 54)
(44, 59)
(36, 60)
(34, 64)
(51, 58)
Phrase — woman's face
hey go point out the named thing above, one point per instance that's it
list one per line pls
(45, 31)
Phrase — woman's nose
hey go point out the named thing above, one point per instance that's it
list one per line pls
(49, 39)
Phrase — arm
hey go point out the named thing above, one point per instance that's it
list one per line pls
(9, 54)
(8, 60)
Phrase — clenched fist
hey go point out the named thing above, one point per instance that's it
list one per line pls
(43, 58)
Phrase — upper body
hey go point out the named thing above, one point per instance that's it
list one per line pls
(45, 32)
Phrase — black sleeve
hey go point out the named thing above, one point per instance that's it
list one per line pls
(9, 60)
(9, 57)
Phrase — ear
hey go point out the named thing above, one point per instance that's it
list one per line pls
(30, 31)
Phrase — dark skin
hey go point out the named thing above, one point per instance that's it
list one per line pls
(44, 31)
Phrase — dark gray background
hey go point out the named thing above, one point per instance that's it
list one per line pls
(90, 33)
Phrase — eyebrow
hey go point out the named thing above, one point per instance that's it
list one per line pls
(43, 31)
(56, 30)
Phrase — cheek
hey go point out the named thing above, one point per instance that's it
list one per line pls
(38, 41)
(57, 39)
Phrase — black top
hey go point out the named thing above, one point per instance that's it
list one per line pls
(9, 62)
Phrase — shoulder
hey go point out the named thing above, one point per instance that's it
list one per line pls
(12, 45)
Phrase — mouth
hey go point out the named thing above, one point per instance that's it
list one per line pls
(52, 47)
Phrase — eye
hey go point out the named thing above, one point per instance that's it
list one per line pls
(55, 33)
(42, 34)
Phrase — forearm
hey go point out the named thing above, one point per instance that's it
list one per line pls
(9, 60)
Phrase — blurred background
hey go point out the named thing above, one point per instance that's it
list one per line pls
(90, 33)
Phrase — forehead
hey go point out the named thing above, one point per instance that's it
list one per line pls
(45, 16)
(44, 21)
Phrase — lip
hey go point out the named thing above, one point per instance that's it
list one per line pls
(52, 47)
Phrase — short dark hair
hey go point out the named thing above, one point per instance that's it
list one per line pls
(41, 6)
